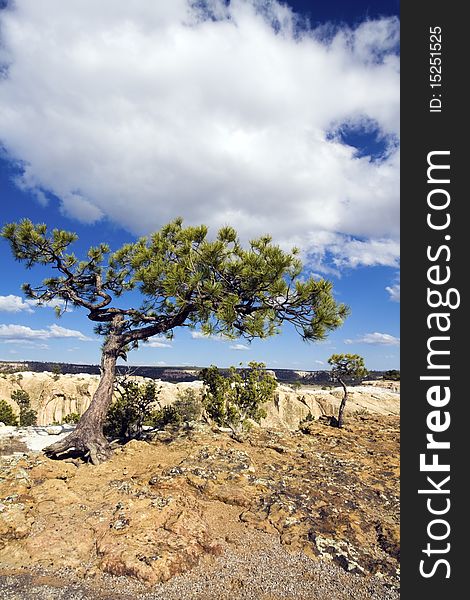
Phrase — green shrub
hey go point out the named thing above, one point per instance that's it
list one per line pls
(21, 398)
(186, 408)
(230, 401)
(131, 410)
(188, 405)
(393, 374)
(7, 415)
(167, 415)
(71, 418)
(28, 416)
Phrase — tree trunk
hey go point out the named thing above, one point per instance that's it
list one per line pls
(343, 403)
(88, 437)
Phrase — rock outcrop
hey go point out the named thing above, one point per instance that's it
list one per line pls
(55, 396)
(157, 508)
(52, 396)
(290, 407)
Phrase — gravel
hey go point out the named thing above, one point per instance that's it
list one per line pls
(270, 573)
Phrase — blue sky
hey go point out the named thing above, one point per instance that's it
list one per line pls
(245, 118)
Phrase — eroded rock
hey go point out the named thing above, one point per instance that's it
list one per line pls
(156, 509)
(55, 396)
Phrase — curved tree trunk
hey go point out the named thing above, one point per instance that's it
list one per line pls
(88, 437)
(343, 403)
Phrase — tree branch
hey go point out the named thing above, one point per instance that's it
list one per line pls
(164, 324)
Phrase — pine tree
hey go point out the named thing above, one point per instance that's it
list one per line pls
(185, 280)
(344, 368)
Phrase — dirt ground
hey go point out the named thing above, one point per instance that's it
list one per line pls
(196, 514)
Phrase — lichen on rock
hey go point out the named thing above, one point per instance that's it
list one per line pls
(156, 509)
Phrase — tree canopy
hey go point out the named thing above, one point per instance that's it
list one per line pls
(185, 279)
(347, 367)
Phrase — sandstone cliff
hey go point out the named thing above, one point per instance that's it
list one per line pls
(55, 396)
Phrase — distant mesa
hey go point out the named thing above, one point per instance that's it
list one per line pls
(174, 374)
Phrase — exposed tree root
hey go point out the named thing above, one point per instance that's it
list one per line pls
(93, 447)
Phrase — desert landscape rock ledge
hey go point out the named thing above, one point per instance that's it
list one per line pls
(158, 509)
(54, 396)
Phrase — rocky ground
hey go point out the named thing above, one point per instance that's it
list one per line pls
(196, 514)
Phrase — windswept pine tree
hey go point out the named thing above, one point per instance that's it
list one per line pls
(185, 280)
(346, 368)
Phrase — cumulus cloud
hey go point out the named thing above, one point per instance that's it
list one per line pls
(22, 332)
(141, 111)
(394, 292)
(372, 252)
(12, 303)
(158, 342)
(239, 347)
(375, 338)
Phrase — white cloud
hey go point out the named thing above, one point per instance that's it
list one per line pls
(199, 335)
(118, 107)
(60, 332)
(21, 332)
(372, 252)
(239, 347)
(375, 338)
(14, 304)
(158, 343)
(319, 362)
(394, 291)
